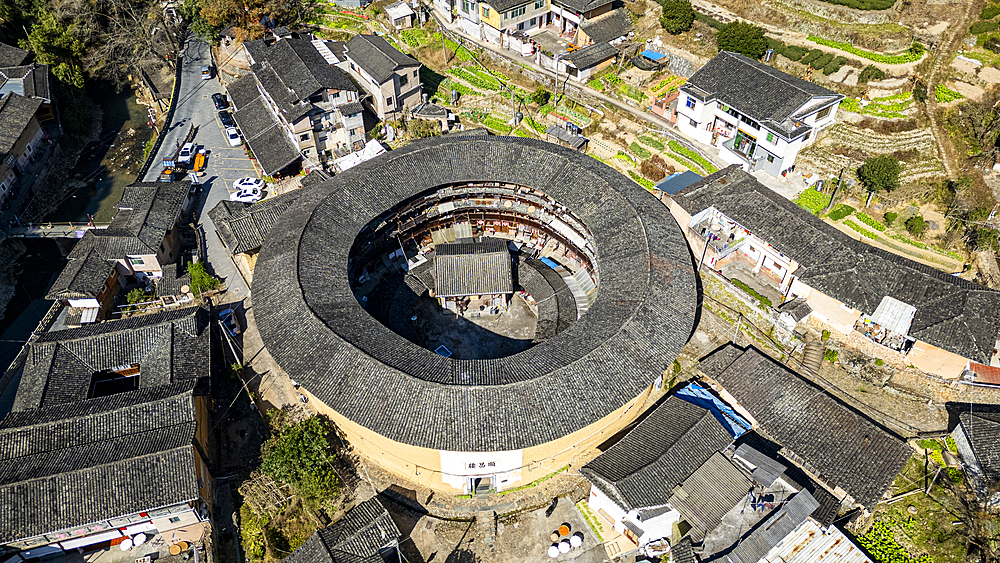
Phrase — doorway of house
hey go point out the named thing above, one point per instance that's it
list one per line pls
(481, 485)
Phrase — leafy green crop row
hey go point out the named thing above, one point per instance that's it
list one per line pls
(649, 141)
(871, 222)
(842, 210)
(861, 229)
(812, 201)
(704, 164)
(640, 180)
(639, 151)
(880, 542)
(914, 54)
(943, 94)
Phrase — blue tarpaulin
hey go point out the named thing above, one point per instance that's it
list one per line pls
(653, 55)
(550, 263)
(677, 182)
(698, 395)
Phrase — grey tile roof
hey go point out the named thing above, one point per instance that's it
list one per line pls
(472, 268)
(73, 464)
(609, 26)
(669, 445)
(709, 493)
(31, 81)
(85, 273)
(255, 118)
(757, 90)
(273, 150)
(317, 332)
(242, 228)
(798, 308)
(770, 531)
(256, 49)
(506, 5)
(591, 55)
(11, 55)
(982, 428)
(377, 57)
(351, 108)
(954, 314)
(582, 6)
(175, 277)
(16, 112)
(682, 552)
(360, 536)
(831, 440)
(242, 91)
(170, 347)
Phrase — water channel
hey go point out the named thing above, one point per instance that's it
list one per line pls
(107, 166)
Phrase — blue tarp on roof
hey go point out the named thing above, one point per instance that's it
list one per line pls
(677, 182)
(652, 55)
(550, 263)
(698, 395)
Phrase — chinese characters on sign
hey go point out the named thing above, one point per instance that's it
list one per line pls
(482, 464)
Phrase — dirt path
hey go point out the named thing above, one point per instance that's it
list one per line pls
(946, 151)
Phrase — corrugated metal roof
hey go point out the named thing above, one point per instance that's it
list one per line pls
(894, 315)
(808, 544)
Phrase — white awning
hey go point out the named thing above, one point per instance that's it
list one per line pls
(89, 315)
(894, 315)
(90, 540)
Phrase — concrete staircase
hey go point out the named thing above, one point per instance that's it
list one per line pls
(581, 286)
(813, 356)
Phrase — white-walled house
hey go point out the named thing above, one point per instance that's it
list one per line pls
(759, 117)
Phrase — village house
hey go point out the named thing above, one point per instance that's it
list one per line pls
(400, 14)
(141, 238)
(20, 134)
(365, 534)
(511, 23)
(889, 306)
(391, 78)
(107, 443)
(689, 471)
(759, 117)
(609, 27)
(834, 445)
(977, 437)
(585, 62)
(297, 104)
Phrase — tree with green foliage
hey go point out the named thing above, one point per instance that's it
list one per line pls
(300, 454)
(57, 44)
(916, 225)
(890, 218)
(920, 91)
(744, 38)
(870, 72)
(880, 173)
(977, 235)
(201, 280)
(677, 17)
(540, 96)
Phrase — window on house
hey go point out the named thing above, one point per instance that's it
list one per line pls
(533, 21)
(404, 80)
(465, 6)
(115, 380)
(693, 123)
(388, 101)
(174, 519)
(539, 4)
(771, 138)
(690, 102)
(823, 113)
(750, 122)
(304, 137)
(136, 261)
(809, 134)
(307, 152)
(770, 158)
(486, 11)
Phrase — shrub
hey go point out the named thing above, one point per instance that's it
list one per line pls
(201, 281)
(764, 301)
(879, 362)
(834, 65)
(880, 173)
(831, 355)
(952, 446)
(826, 335)
(842, 210)
(540, 96)
(654, 168)
(811, 56)
(990, 12)
(639, 151)
(920, 91)
(300, 455)
(870, 72)
(954, 474)
(822, 61)
(677, 17)
(794, 52)
(983, 27)
(890, 217)
(743, 38)
(916, 225)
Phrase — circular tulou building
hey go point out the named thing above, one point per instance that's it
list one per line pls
(476, 312)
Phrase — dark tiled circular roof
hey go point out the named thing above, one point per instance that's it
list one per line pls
(315, 329)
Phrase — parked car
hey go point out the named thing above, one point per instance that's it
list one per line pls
(220, 101)
(246, 195)
(187, 152)
(166, 176)
(227, 318)
(226, 119)
(244, 183)
(233, 136)
(206, 72)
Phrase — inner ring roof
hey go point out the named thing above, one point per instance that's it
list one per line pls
(316, 330)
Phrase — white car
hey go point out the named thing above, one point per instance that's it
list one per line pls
(187, 152)
(244, 183)
(246, 195)
(233, 136)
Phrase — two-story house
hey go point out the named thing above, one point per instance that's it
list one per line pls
(20, 134)
(391, 78)
(759, 117)
(141, 238)
(107, 443)
(312, 101)
(506, 22)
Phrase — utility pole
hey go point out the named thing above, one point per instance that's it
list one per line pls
(833, 196)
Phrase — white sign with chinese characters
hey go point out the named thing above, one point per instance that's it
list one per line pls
(457, 467)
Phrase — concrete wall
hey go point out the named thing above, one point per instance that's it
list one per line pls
(931, 359)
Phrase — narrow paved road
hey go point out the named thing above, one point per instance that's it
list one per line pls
(225, 164)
